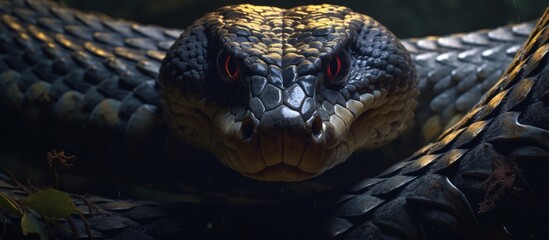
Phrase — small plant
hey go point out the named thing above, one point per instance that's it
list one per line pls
(60, 158)
(42, 208)
(48, 205)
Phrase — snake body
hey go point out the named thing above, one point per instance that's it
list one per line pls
(281, 96)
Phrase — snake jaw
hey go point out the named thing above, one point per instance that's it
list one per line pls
(276, 147)
(290, 111)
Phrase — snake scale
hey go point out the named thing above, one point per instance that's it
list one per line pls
(312, 74)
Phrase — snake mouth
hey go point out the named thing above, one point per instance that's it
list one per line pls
(281, 146)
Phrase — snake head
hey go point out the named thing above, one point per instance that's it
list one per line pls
(286, 94)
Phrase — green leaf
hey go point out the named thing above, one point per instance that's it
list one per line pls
(31, 224)
(51, 203)
(8, 203)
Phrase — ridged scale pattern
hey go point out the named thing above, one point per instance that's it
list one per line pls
(82, 68)
(435, 194)
(478, 179)
(92, 69)
(456, 70)
(441, 185)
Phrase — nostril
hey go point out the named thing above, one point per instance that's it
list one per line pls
(316, 127)
(247, 127)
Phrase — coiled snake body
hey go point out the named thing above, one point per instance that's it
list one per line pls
(284, 95)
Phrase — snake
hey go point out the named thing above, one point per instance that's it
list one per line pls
(287, 102)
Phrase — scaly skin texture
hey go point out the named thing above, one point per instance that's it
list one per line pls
(89, 81)
(90, 69)
(104, 74)
(483, 178)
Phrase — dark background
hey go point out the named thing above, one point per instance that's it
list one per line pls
(406, 18)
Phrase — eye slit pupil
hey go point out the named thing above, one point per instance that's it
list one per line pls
(231, 68)
(334, 68)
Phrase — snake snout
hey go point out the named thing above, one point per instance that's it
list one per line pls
(312, 128)
(284, 139)
(280, 121)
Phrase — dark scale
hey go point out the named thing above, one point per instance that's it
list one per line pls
(59, 87)
(467, 79)
(26, 15)
(75, 79)
(63, 65)
(92, 97)
(271, 97)
(256, 107)
(258, 84)
(294, 96)
(67, 42)
(308, 108)
(260, 68)
(109, 38)
(147, 92)
(130, 103)
(97, 73)
(141, 43)
(78, 32)
(89, 20)
(149, 68)
(25, 82)
(165, 45)
(111, 89)
(309, 84)
(289, 75)
(32, 56)
(17, 61)
(51, 24)
(128, 54)
(116, 65)
(159, 55)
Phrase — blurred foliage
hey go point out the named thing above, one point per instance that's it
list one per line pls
(406, 18)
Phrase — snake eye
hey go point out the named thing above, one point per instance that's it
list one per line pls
(228, 67)
(336, 69)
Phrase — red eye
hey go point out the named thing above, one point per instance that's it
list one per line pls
(228, 67)
(336, 70)
(231, 68)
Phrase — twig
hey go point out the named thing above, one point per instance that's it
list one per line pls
(88, 228)
(73, 226)
(61, 158)
(91, 207)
